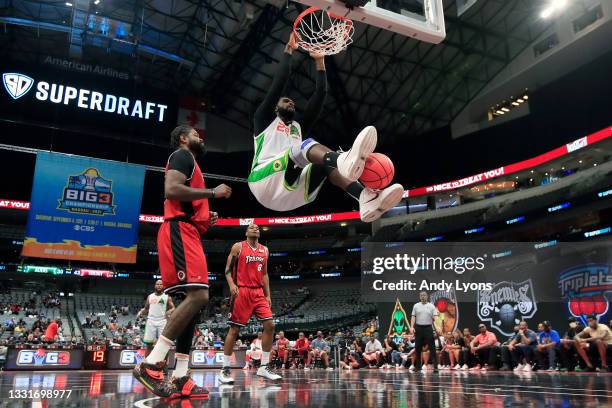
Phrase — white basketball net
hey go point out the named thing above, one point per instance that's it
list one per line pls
(321, 32)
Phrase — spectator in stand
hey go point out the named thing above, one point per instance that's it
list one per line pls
(598, 337)
(548, 344)
(113, 326)
(522, 347)
(301, 350)
(373, 352)
(19, 330)
(568, 347)
(51, 333)
(485, 345)
(320, 351)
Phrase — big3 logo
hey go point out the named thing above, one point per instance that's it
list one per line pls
(42, 357)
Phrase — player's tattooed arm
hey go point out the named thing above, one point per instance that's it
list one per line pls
(229, 267)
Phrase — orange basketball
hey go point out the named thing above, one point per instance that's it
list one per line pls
(378, 171)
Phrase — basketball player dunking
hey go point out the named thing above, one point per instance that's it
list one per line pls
(182, 263)
(158, 307)
(288, 172)
(246, 272)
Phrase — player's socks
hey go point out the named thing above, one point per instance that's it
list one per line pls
(226, 360)
(354, 190)
(265, 358)
(182, 365)
(160, 351)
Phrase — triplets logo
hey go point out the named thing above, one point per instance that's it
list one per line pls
(585, 290)
(506, 305)
(131, 357)
(446, 303)
(88, 193)
(17, 85)
(399, 321)
(42, 357)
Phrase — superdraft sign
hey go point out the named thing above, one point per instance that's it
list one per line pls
(42, 357)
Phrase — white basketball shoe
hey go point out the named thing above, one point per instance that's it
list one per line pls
(374, 203)
(352, 162)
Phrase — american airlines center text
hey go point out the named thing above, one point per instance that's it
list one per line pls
(17, 86)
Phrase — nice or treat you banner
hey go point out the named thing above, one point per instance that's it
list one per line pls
(84, 209)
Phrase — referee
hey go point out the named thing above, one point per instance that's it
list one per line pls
(421, 325)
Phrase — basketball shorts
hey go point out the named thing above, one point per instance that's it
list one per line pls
(248, 302)
(181, 257)
(281, 186)
(153, 329)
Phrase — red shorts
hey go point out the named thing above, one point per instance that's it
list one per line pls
(181, 257)
(249, 301)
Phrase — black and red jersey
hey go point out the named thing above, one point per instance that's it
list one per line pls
(250, 267)
(197, 211)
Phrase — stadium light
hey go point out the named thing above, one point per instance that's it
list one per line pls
(553, 6)
(69, 4)
(96, 2)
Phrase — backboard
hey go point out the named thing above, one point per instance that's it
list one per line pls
(419, 19)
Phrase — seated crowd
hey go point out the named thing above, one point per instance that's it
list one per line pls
(580, 349)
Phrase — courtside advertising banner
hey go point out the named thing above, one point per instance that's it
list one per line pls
(84, 209)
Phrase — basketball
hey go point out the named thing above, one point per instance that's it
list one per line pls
(378, 171)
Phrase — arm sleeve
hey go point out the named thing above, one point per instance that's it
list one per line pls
(265, 110)
(315, 104)
(182, 160)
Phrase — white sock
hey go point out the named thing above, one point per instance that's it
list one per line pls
(182, 365)
(160, 351)
(265, 358)
(226, 361)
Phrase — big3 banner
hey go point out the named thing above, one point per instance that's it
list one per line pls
(84, 209)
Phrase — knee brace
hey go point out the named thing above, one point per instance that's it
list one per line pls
(298, 152)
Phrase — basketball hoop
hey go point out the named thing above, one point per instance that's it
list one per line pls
(323, 32)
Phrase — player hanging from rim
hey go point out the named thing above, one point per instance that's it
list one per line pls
(158, 307)
(246, 272)
(288, 172)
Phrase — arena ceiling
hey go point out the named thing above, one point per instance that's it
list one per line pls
(225, 51)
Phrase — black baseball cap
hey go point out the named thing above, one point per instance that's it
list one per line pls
(572, 319)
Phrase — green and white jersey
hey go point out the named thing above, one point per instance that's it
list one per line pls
(274, 141)
(158, 305)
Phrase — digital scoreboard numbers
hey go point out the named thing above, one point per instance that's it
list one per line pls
(95, 357)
